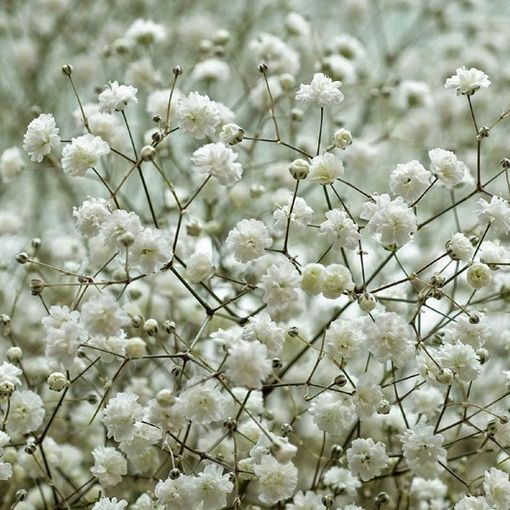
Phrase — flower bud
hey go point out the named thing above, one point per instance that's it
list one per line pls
(67, 69)
(36, 286)
(479, 275)
(177, 70)
(299, 169)
(262, 68)
(169, 326)
(287, 81)
(221, 37)
(444, 376)
(367, 302)
(342, 138)
(231, 133)
(6, 389)
(311, 278)
(336, 451)
(148, 153)
(296, 114)
(151, 327)
(22, 257)
(14, 354)
(174, 474)
(340, 380)
(165, 397)
(137, 321)
(483, 355)
(135, 347)
(127, 239)
(57, 381)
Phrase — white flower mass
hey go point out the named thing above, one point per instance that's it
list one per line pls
(255, 255)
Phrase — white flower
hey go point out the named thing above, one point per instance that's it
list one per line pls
(10, 373)
(41, 136)
(306, 501)
(459, 247)
(211, 70)
(473, 503)
(103, 316)
(413, 94)
(110, 504)
(276, 54)
(218, 160)
(409, 180)
(202, 402)
(277, 481)
(479, 275)
(150, 250)
(109, 465)
(26, 413)
(497, 488)
(90, 216)
(248, 240)
(335, 280)
(311, 278)
(322, 91)
(423, 451)
(344, 338)
(392, 221)
(248, 364)
(446, 167)
(389, 337)
(325, 169)
(333, 412)
(497, 214)
(199, 267)
(342, 138)
(475, 334)
(197, 115)
(301, 214)
(212, 487)
(11, 163)
(467, 81)
(120, 228)
(145, 32)
(178, 494)
(83, 153)
(280, 285)
(340, 230)
(157, 102)
(262, 328)
(342, 479)
(116, 98)
(426, 401)
(461, 359)
(368, 396)
(120, 414)
(366, 458)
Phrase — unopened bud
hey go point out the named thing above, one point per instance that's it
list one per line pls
(151, 327)
(299, 169)
(148, 153)
(57, 381)
(262, 68)
(67, 69)
(177, 70)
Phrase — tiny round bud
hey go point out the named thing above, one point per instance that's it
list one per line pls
(438, 280)
(277, 363)
(36, 243)
(230, 424)
(6, 389)
(157, 136)
(327, 501)
(483, 132)
(14, 354)
(444, 376)
(474, 318)
(127, 239)
(194, 228)
(483, 355)
(135, 347)
(169, 326)
(299, 169)
(479, 275)
(336, 451)
(30, 446)
(293, 331)
(5, 320)
(381, 499)
(503, 419)
(262, 68)
(36, 286)
(67, 69)
(257, 190)
(137, 321)
(120, 46)
(92, 399)
(156, 119)
(22, 257)
(367, 302)
(177, 70)
(21, 495)
(221, 37)
(505, 163)
(57, 381)
(151, 327)
(296, 114)
(286, 429)
(165, 397)
(342, 138)
(340, 380)
(205, 46)
(492, 427)
(384, 407)
(148, 153)
(174, 473)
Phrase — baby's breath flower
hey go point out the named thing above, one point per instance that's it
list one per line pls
(115, 97)
(322, 91)
(467, 81)
(41, 136)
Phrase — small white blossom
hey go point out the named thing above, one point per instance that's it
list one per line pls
(83, 153)
(116, 97)
(300, 217)
(145, 32)
(26, 413)
(446, 167)
(41, 136)
(333, 413)
(497, 488)
(461, 359)
(197, 115)
(340, 230)
(202, 402)
(218, 160)
(248, 364)
(322, 91)
(342, 479)
(110, 504)
(11, 163)
(120, 414)
(325, 169)
(109, 465)
(497, 214)
(409, 180)
(366, 458)
(277, 481)
(467, 81)
(335, 279)
(248, 240)
(459, 247)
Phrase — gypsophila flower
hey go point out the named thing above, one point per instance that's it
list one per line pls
(367, 459)
(109, 465)
(83, 153)
(325, 169)
(277, 481)
(211, 70)
(145, 32)
(115, 97)
(120, 414)
(459, 247)
(344, 338)
(262, 328)
(202, 401)
(120, 229)
(280, 284)
(110, 504)
(335, 279)
(218, 160)
(446, 167)
(473, 503)
(409, 180)
(461, 359)
(150, 250)
(332, 413)
(467, 81)
(392, 221)
(10, 373)
(213, 486)
(496, 213)
(300, 217)
(248, 364)
(197, 115)
(248, 240)
(103, 316)
(11, 163)
(90, 216)
(26, 413)
(311, 278)
(342, 479)
(340, 230)
(5, 467)
(178, 494)
(368, 396)
(41, 136)
(199, 267)
(322, 91)
(423, 451)
(342, 138)
(306, 501)
(497, 488)
(426, 401)
(275, 53)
